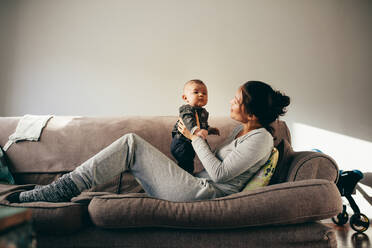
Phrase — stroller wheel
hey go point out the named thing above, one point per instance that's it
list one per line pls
(341, 218)
(359, 222)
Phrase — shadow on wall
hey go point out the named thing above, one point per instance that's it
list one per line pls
(366, 191)
(349, 152)
(367, 180)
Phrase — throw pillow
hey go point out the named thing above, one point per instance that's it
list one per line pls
(282, 168)
(5, 175)
(262, 178)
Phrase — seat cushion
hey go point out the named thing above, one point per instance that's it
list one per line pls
(292, 202)
(306, 235)
(48, 217)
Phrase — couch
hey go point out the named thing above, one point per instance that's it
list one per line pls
(286, 213)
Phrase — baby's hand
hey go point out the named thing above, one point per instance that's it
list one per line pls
(202, 133)
(214, 130)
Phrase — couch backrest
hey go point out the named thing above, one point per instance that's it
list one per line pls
(66, 142)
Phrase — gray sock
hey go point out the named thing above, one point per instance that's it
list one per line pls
(61, 190)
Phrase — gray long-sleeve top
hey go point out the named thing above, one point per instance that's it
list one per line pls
(234, 163)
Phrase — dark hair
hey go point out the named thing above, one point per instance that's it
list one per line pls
(265, 103)
(194, 81)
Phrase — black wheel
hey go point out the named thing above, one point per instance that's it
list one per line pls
(359, 222)
(341, 218)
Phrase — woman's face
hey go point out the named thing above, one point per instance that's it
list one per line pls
(237, 109)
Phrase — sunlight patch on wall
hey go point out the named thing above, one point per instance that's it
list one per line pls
(349, 153)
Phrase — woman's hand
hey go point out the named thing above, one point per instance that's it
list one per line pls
(182, 129)
(201, 133)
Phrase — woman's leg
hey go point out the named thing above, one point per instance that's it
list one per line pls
(159, 175)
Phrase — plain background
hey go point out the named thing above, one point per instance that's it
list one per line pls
(121, 57)
(115, 58)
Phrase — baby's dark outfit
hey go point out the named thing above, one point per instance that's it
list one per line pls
(181, 147)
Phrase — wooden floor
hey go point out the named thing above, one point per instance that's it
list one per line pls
(347, 237)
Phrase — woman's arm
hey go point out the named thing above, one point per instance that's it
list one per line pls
(246, 154)
(182, 128)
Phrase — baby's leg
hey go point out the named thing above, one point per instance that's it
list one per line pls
(184, 153)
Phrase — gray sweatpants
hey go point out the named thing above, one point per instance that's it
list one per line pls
(159, 176)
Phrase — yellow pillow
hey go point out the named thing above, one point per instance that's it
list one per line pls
(263, 176)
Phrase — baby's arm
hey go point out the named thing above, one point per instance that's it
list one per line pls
(210, 130)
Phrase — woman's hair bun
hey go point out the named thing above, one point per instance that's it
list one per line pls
(265, 103)
(280, 101)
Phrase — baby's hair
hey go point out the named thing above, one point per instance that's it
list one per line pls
(194, 81)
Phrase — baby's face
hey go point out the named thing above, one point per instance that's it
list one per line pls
(195, 94)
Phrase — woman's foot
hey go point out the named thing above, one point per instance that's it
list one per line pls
(14, 197)
(61, 190)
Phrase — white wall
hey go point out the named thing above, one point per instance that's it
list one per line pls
(110, 58)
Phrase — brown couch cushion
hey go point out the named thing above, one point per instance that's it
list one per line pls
(67, 141)
(293, 202)
(49, 217)
(282, 168)
(281, 132)
(306, 235)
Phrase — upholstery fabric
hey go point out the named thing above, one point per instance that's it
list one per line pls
(68, 141)
(306, 235)
(305, 165)
(75, 139)
(281, 132)
(49, 217)
(292, 202)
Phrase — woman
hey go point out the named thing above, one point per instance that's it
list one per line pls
(227, 170)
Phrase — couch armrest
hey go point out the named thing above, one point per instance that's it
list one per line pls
(312, 165)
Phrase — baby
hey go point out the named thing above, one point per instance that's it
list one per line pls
(195, 95)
